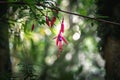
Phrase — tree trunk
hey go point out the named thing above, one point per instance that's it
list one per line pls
(5, 64)
(112, 57)
(110, 37)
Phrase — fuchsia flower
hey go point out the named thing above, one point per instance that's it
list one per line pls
(47, 21)
(59, 42)
(32, 28)
(60, 39)
(51, 22)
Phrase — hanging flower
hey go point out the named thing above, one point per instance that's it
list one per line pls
(32, 28)
(60, 39)
(53, 21)
(47, 21)
(59, 42)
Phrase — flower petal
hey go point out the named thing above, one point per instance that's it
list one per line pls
(57, 41)
(32, 28)
(60, 49)
(53, 21)
(47, 21)
(64, 40)
(62, 26)
(60, 45)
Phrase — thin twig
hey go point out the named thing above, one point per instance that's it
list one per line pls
(101, 20)
(58, 9)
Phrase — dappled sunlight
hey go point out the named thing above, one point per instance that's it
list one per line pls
(76, 36)
(68, 56)
(89, 44)
(47, 31)
(77, 33)
(65, 3)
(50, 60)
(37, 48)
(37, 37)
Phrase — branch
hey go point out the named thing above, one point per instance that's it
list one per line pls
(58, 9)
(100, 20)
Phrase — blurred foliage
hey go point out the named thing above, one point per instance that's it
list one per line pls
(33, 53)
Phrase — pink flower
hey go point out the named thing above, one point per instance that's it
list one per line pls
(51, 22)
(47, 21)
(32, 28)
(59, 42)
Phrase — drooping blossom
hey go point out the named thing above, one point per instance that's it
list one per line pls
(32, 28)
(47, 21)
(51, 22)
(60, 38)
(59, 42)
